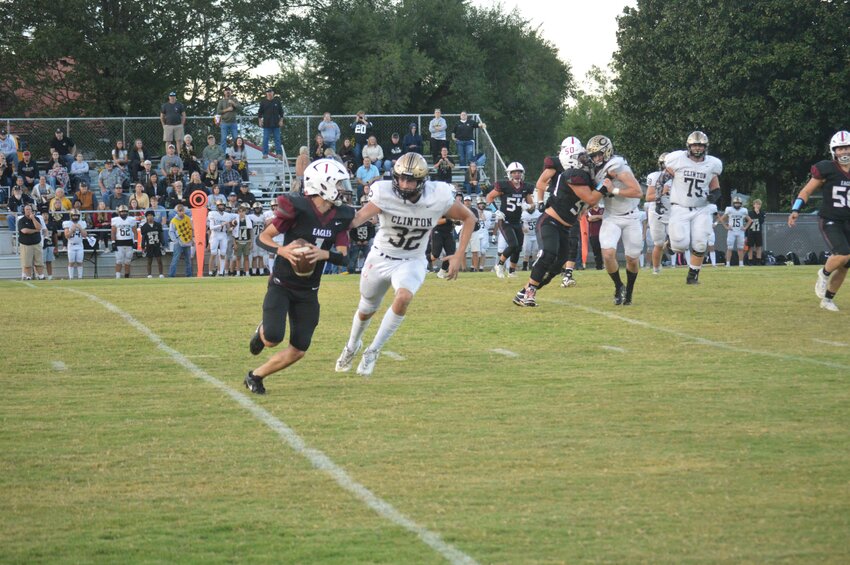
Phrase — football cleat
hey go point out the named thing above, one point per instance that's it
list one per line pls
(519, 298)
(568, 281)
(254, 384)
(820, 285)
(530, 299)
(693, 277)
(256, 345)
(500, 271)
(343, 364)
(441, 274)
(367, 362)
(620, 295)
(511, 274)
(828, 304)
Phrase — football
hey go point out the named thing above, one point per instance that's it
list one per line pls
(303, 267)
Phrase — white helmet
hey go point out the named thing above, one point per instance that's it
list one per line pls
(697, 138)
(515, 166)
(840, 139)
(324, 177)
(573, 156)
(571, 142)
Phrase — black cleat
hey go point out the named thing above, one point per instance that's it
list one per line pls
(693, 277)
(627, 301)
(620, 296)
(254, 384)
(256, 345)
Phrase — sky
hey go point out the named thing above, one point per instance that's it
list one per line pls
(585, 33)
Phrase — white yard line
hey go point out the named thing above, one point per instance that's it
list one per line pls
(613, 348)
(832, 343)
(699, 340)
(316, 458)
(392, 355)
(59, 366)
(505, 352)
(29, 284)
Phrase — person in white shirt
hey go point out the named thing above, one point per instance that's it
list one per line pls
(123, 228)
(220, 224)
(75, 231)
(736, 219)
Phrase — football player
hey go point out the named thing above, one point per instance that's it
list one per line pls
(152, 242)
(485, 224)
(258, 254)
(737, 221)
(409, 208)
(317, 219)
(443, 241)
(696, 184)
(514, 195)
(833, 178)
(560, 213)
(220, 223)
(529, 236)
(75, 231)
(621, 219)
(658, 210)
(242, 232)
(755, 240)
(123, 228)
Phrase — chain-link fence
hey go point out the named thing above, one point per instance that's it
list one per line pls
(779, 239)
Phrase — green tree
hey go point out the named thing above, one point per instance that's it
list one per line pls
(589, 112)
(768, 81)
(120, 57)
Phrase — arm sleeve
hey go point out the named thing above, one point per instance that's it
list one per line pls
(284, 217)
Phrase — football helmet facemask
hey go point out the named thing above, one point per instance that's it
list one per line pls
(411, 166)
(697, 138)
(123, 211)
(737, 202)
(599, 147)
(840, 139)
(661, 165)
(324, 178)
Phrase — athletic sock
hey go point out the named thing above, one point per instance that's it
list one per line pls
(568, 272)
(829, 295)
(358, 327)
(630, 282)
(117, 275)
(511, 269)
(713, 257)
(389, 325)
(615, 276)
(71, 272)
(444, 266)
(826, 273)
(79, 272)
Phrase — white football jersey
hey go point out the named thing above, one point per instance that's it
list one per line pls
(529, 220)
(244, 229)
(652, 180)
(405, 226)
(76, 238)
(736, 218)
(219, 222)
(124, 227)
(691, 179)
(617, 205)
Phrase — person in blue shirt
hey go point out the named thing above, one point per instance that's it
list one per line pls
(366, 175)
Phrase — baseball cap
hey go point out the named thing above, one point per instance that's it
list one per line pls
(467, 197)
(172, 93)
(27, 153)
(395, 134)
(232, 195)
(59, 130)
(270, 89)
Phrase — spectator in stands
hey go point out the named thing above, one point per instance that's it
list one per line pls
(227, 110)
(60, 197)
(54, 158)
(245, 196)
(160, 217)
(8, 147)
(7, 171)
(270, 116)
(239, 155)
(188, 156)
(135, 159)
(301, 163)
(177, 196)
(211, 174)
(120, 156)
(443, 166)
(156, 187)
(102, 223)
(42, 194)
(58, 177)
(329, 130)
(79, 172)
(103, 194)
(346, 152)
(374, 151)
(29, 228)
(108, 177)
(215, 197)
(213, 153)
(437, 127)
(16, 204)
(64, 146)
(180, 232)
(412, 142)
(140, 196)
(366, 175)
(195, 183)
(392, 151)
(173, 176)
(171, 159)
(117, 198)
(318, 148)
(229, 180)
(362, 128)
(28, 169)
(472, 179)
(135, 211)
(172, 116)
(84, 196)
(463, 134)
(145, 173)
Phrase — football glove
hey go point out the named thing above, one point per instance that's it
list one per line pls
(541, 206)
(602, 189)
(660, 208)
(500, 216)
(714, 196)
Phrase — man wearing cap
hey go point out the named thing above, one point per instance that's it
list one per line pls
(28, 169)
(392, 151)
(117, 198)
(29, 228)
(108, 177)
(213, 152)
(85, 196)
(245, 196)
(172, 116)
(229, 180)
(152, 241)
(169, 160)
(8, 147)
(227, 109)
(17, 200)
(65, 146)
(75, 231)
(270, 117)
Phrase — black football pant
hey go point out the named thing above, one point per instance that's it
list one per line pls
(513, 238)
(553, 238)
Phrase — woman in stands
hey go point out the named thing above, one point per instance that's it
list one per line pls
(239, 154)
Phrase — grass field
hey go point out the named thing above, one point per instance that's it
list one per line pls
(703, 424)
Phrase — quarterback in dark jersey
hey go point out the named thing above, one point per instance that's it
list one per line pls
(552, 170)
(513, 195)
(317, 219)
(573, 189)
(833, 178)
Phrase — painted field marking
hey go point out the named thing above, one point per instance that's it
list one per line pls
(29, 284)
(613, 348)
(393, 355)
(59, 366)
(505, 352)
(316, 458)
(698, 340)
(832, 343)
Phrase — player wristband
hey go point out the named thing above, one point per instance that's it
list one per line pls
(797, 205)
(336, 258)
(616, 191)
(600, 185)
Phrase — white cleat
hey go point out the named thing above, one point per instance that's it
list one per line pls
(343, 364)
(828, 304)
(820, 285)
(367, 363)
(441, 274)
(567, 282)
(500, 271)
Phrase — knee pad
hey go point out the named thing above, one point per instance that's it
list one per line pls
(368, 307)
(274, 334)
(696, 253)
(546, 260)
(509, 251)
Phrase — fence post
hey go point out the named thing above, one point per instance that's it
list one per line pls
(124, 131)
(67, 127)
